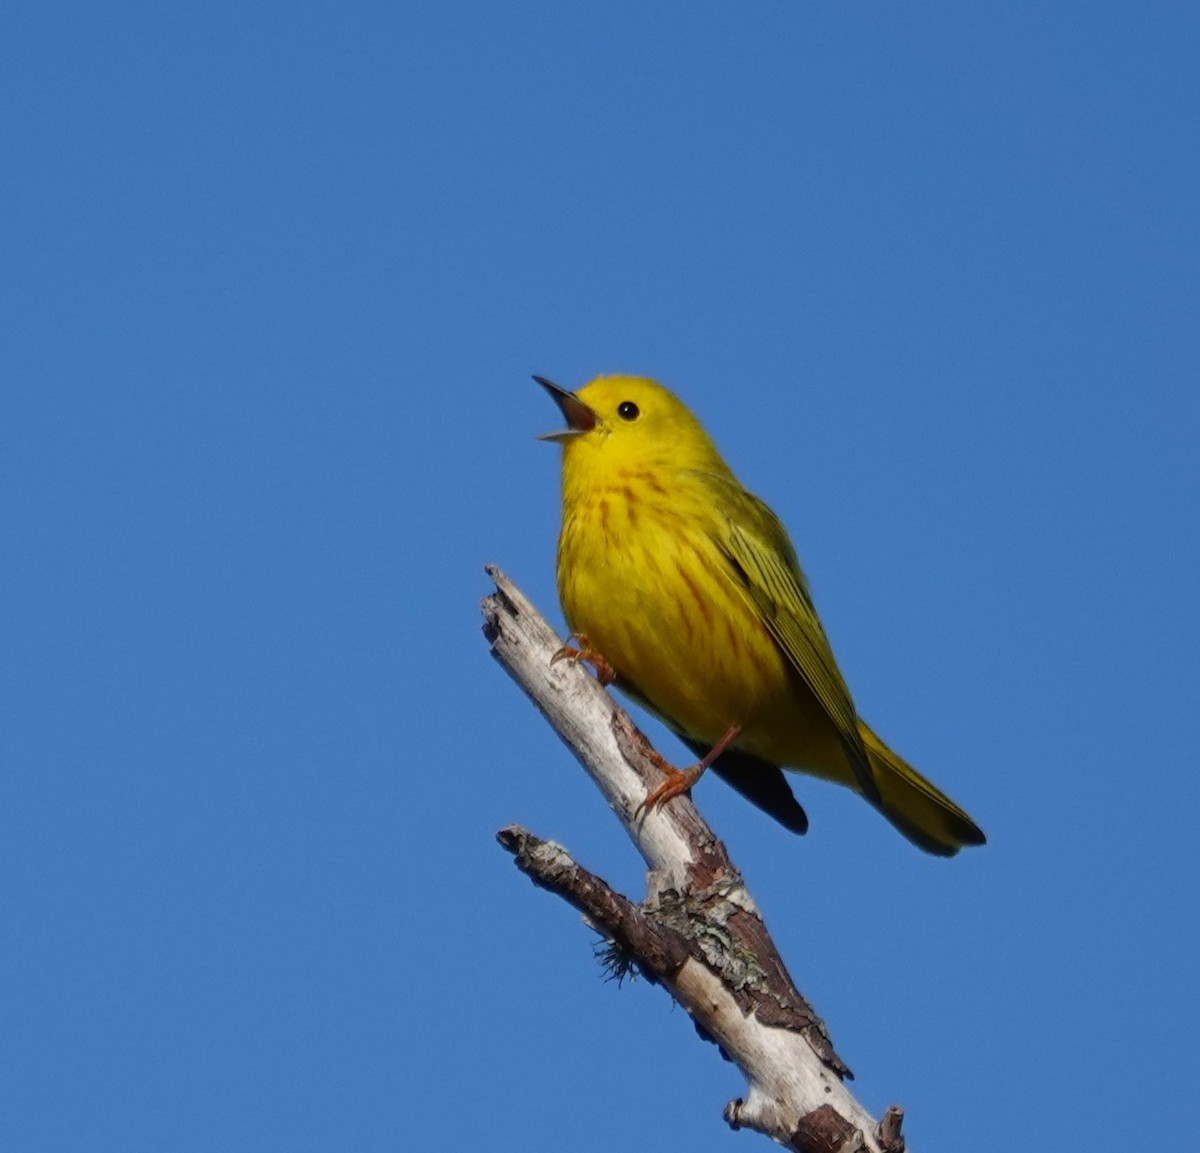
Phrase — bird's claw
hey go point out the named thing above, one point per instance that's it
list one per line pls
(681, 780)
(588, 655)
(677, 781)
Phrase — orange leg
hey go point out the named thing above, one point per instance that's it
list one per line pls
(587, 654)
(680, 780)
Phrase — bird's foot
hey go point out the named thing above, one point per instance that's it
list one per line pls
(677, 781)
(681, 780)
(586, 654)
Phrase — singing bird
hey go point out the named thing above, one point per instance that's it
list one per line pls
(684, 587)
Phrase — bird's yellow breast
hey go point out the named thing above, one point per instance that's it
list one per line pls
(641, 576)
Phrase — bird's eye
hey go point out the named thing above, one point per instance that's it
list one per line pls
(627, 410)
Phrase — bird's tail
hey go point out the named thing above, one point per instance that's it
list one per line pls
(921, 811)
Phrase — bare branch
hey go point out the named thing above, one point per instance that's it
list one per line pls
(698, 932)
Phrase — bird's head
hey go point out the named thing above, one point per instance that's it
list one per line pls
(625, 421)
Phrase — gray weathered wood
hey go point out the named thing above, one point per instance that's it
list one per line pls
(698, 932)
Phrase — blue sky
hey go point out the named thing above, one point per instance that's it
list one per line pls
(275, 278)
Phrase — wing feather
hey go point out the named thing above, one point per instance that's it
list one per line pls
(758, 550)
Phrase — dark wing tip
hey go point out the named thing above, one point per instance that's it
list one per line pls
(761, 783)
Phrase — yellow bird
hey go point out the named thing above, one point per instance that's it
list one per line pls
(683, 586)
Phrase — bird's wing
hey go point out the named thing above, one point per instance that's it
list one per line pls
(757, 547)
(760, 782)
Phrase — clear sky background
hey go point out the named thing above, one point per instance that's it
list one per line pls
(275, 277)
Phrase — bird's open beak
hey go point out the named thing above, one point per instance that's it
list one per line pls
(580, 418)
